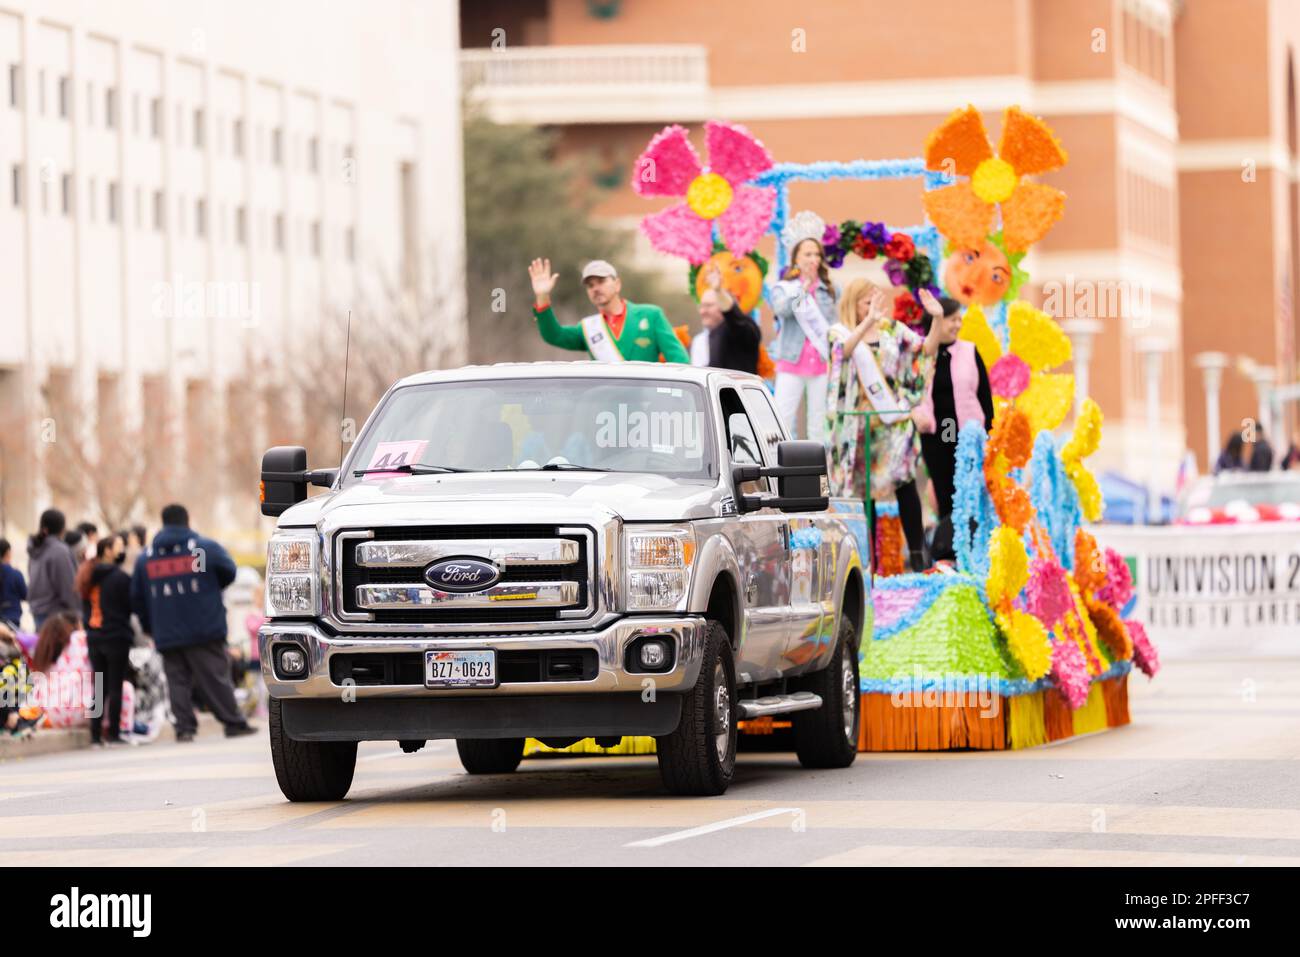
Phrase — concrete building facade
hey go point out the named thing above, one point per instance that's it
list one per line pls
(189, 192)
(1164, 252)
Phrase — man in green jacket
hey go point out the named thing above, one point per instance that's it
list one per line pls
(620, 330)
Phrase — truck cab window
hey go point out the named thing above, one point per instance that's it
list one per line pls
(742, 441)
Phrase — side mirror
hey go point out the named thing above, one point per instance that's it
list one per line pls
(800, 490)
(285, 478)
(800, 466)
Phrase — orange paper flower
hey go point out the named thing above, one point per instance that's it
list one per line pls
(964, 211)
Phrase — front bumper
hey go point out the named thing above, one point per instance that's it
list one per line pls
(610, 645)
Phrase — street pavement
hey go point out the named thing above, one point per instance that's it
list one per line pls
(1207, 774)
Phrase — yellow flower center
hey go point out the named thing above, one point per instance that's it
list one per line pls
(994, 180)
(708, 196)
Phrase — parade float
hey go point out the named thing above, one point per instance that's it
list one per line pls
(1024, 639)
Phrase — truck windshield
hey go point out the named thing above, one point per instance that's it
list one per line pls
(627, 425)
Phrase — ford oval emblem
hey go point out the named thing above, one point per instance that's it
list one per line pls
(462, 574)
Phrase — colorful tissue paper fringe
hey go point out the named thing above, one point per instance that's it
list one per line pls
(938, 676)
(1024, 642)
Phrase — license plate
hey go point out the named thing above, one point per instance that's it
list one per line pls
(460, 669)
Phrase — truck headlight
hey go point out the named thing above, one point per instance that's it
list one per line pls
(292, 573)
(658, 567)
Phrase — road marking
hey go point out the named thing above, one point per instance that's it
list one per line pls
(710, 828)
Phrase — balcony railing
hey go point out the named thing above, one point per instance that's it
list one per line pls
(568, 84)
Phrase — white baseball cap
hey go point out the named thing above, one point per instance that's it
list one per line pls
(598, 267)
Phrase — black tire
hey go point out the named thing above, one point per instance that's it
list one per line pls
(310, 770)
(689, 758)
(490, 755)
(828, 736)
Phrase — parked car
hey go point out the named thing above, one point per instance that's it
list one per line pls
(1238, 498)
(562, 551)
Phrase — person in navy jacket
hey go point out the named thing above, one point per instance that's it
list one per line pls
(176, 593)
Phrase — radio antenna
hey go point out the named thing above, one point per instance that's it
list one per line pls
(343, 413)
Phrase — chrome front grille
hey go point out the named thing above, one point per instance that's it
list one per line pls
(545, 574)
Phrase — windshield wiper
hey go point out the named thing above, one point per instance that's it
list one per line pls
(556, 467)
(409, 469)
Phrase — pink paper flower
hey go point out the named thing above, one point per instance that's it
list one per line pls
(1048, 593)
(670, 167)
(1144, 652)
(1070, 672)
(1009, 376)
(1119, 581)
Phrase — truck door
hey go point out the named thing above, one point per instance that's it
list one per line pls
(808, 552)
(762, 546)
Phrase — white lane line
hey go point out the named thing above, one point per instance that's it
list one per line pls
(710, 828)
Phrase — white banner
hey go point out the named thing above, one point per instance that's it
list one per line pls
(1229, 591)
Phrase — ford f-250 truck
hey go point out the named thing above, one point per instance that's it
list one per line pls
(561, 551)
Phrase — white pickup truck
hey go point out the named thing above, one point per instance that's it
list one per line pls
(562, 551)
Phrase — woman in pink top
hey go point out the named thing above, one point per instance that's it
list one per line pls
(805, 304)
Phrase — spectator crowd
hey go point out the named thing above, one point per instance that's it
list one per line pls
(128, 633)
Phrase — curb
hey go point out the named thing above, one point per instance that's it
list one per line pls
(59, 740)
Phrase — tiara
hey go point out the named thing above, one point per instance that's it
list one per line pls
(803, 225)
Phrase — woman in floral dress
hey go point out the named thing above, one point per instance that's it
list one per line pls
(904, 359)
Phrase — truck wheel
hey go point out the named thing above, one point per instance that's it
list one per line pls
(490, 755)
(700, 756)
(310, 770)
(828, 736)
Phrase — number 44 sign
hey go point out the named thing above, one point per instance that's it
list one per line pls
(391, 455)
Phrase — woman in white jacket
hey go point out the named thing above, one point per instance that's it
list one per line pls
(804, 302)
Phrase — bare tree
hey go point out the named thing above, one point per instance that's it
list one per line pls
(397, 328)
(110, 473)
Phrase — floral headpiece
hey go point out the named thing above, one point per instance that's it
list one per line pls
(905, 265)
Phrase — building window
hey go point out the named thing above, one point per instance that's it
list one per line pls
(159, 211)
(198, 129)
(237, 138)
(241, 226)
(155, 118)
(200, 218)
(40, 91)
(410, 229)
(114, 201)
(277, 146)
(135, 113)
(279, 231)
(64, 97)
(91, 196)
(350, 243)
(15, 78)
(315, 238)
(110, 108)
(313, 154)
(90, 103)
(65, 193)
(16, 184)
